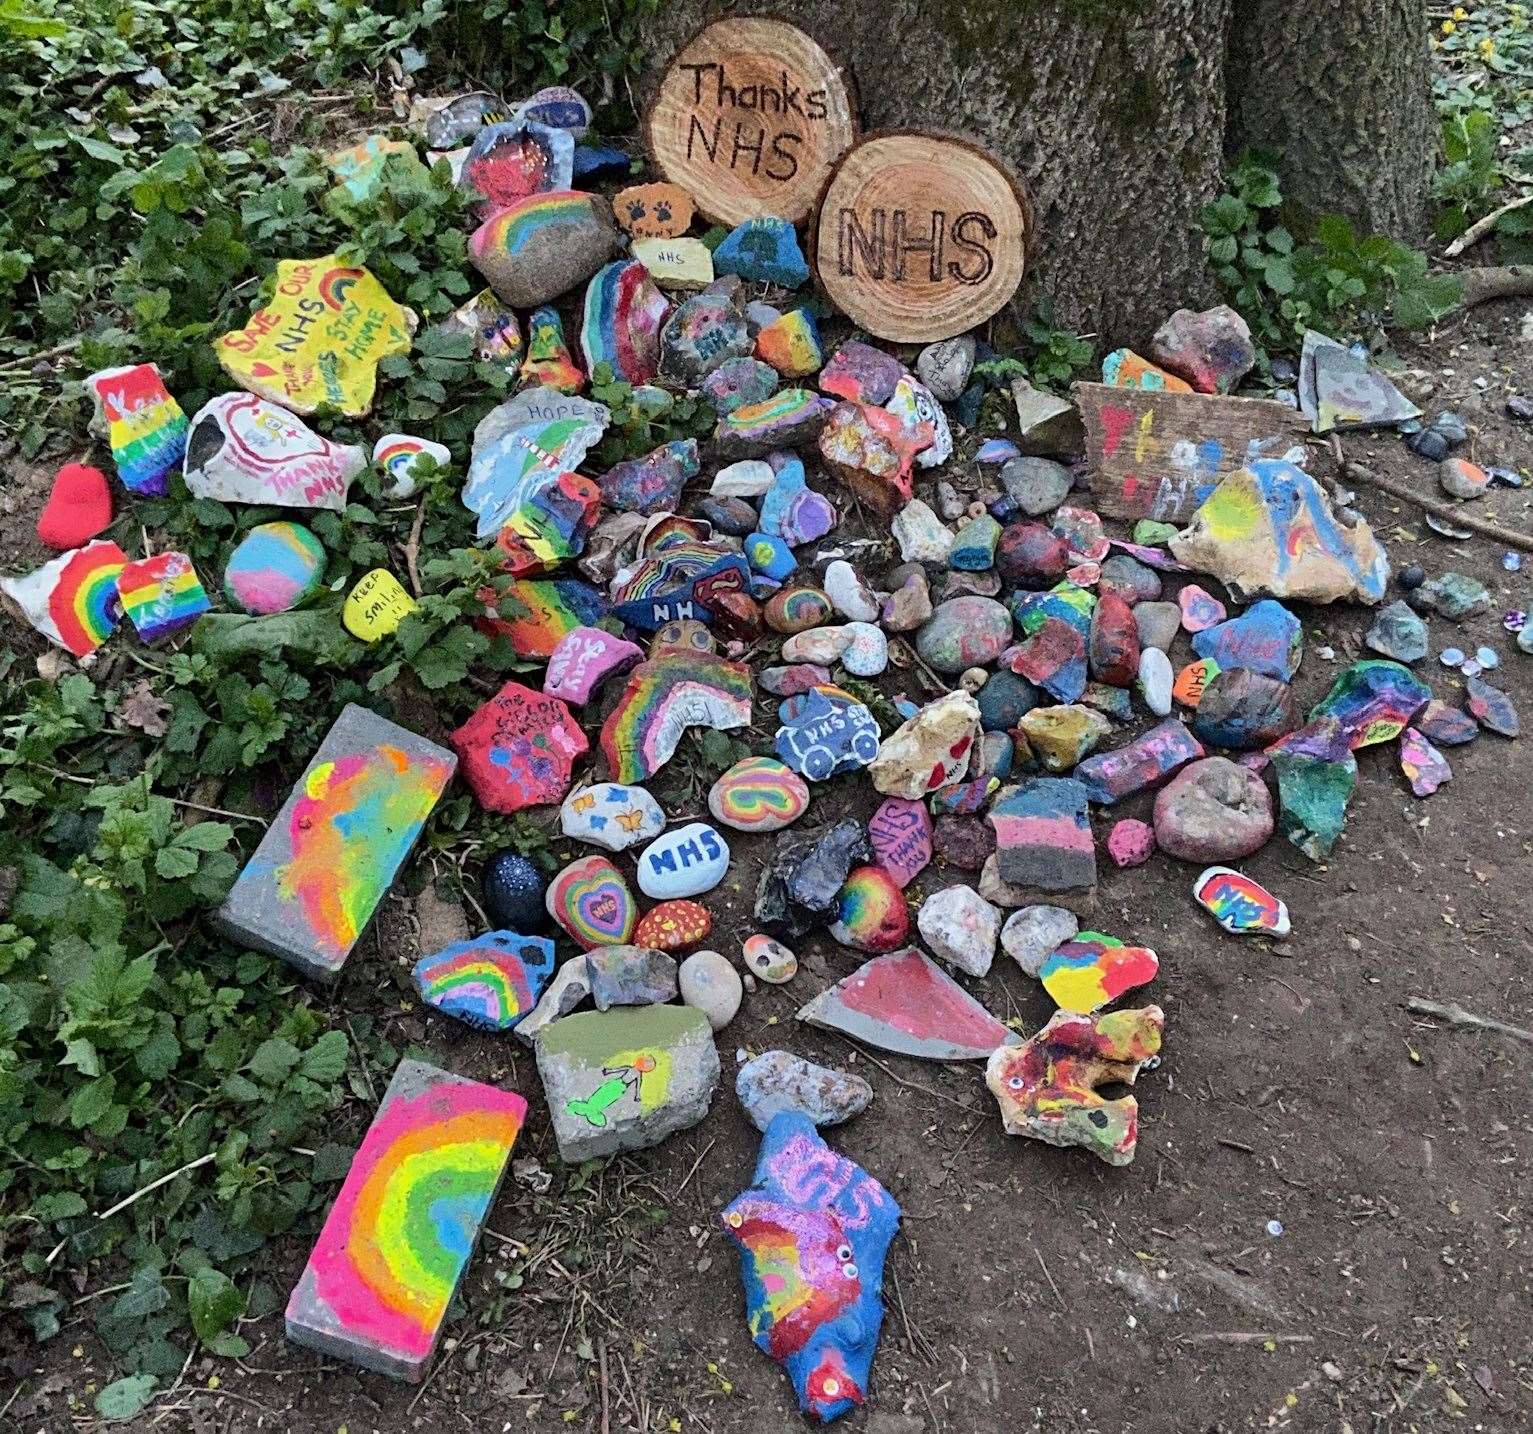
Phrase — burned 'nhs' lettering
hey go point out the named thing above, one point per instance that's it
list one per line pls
(887, 241)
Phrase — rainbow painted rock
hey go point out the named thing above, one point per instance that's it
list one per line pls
(543, 246)
(593, 904)
(664, 696)
(320, 340)
(673, 926)
(624, 313)
(758, 794)
(872, 452)
(1047, 1087)
(812, 1231)
(328, 858)
(791, 344)
(161, 595)
(1373, 700)
(407, 459)
(871, 914)
(144, 425)
(490, 982)
(1092, 970)
(403, 1228)
(536, 614)
(1239, 904)
(789, 419)
(1043, 835)
(274, 568)
(518, 750)
(72, 599)
(549, 362)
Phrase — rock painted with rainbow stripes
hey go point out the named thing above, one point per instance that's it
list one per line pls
(871, 912)
(491, 981)
(161, 595)
(593, 903)
(73, 600)
(675, 689)
(789, 419)
(403, 1228)
(543, 246)
(759, 794)
(274, 568)
(308, 892)
(1092, 970)
(400, 456)
(536, 614)
(620, 326)
(812, 1231)
(144, 425)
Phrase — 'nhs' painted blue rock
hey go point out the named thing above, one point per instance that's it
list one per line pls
(813, 1230)
(685, 862)
(765, 250)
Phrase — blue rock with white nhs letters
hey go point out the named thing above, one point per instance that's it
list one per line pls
(685, 862)
(813, 1230)
(765, 250)
(826, 731)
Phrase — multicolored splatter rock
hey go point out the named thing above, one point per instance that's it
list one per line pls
(813, 1230)
(1373, 700)
(871, 914)
(491, 981)
(592, 903)
(518, 750)
(1425, 768)
(1240, 904)
(1092, 970)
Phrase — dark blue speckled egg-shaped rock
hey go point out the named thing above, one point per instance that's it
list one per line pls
(513, 893)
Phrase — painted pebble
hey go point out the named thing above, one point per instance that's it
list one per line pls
(685, 862)
(871, 914)
(490, 982)
(274, 568)
(593, 904)
(797, 609)
(1088, 972)
(769, 960)
(1201, 610)
(611, 815)
(1241, 906)
(901, 833)
(759, 794)
(673, 926)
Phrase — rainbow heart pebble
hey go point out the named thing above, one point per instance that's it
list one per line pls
(592, 902)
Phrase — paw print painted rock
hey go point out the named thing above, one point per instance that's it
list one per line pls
(653, 211)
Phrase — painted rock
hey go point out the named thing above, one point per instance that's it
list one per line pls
(791, 344)
(973, 548)
(872, 452)
(673, 926)
(1080, 529)
(1113, 649)
(749, 478)
(1004, 700)
(1047, 1088)
(1092, 970)
(915, 407)
(1373, 700)
(1062, 736)
(1200, 610)
(1266, 638)
(1447, 726)
(944, 367)
(1143, 763)
(706, 332)
(796, 609)
(543, 246)
(765, 251)
(518, 749)
(665, 695)
(161, 595)
(1240, 905)
(961, 928)
(1031, 556)
(595, 162)
(376, 606)
(930, 750)
(794, 679)
(862, 373)
(867, 654)
(143, 425)
(709, 983)
(871, 914)
(495, 330)
(831, 732)
(769, 556)
(630, 976)
(535, 614)
(1064, 601)
(848, 594)
(1425, 768)
(791, 418)
(405, 460)
(513, 890)
(653, 483)
(1491, 708)
(79, 507)
(1131, 843)
(817, 1222)
(776, 1081)
(490, 982)
(593, 904)
(327, 860)
(624, 313)
(1398, 633)
(1243, 709)
(1031, 935)
(904, 1002)
(387, 1263)
(729, 515)
(319, 342)
(676, 263)
(1123, 368)
(513, 160)
(685, 862)
(1213, 811)
(1194, 680)
(625, 1079)
(73, 599)
(558, 107)
(909, 606)
(584, 659)
(901, 834)
(611, 815)
(823, 645)
(653, 211)
(964, 632)
(739, 382)
(1114, 703)
(244, 449)
(1212, 350)
(1316, 774)
(1043, 835)
(1053, 658)
(549, 362)
(758, 794)
(769, 959)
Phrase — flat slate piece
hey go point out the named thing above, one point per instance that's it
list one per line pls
(904, 1002)
(396, 1241)
(330, 854)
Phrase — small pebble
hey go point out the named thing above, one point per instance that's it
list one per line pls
(1451, 657)
(1512, 562)
(1487, 657)
(1412, 577)
(1274, 1228)
(1514, 620)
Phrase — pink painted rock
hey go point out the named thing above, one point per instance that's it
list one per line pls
(518, 750)
(584, 658)
(1213, 812)
(1201, 610)
(792, 680)
(1212, 350)
(901, 833)
(1131, 843)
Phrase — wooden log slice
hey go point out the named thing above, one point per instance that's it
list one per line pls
(750, 117)
(920, 236)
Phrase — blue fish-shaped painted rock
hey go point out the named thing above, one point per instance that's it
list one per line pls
(813, 1231)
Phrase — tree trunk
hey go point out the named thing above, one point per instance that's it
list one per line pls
(1341, 94)
(1114, 115)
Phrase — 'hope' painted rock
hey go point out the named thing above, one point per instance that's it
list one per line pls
(490, 982)
(758, 794)
(685, 862)
(1241, 906)
(593, 904)
(611, 815)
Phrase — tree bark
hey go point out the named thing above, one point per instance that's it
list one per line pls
(1341, 94)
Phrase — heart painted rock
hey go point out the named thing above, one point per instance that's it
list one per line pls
(611, 815)
(1087, 973)
(673, 926)
(79, 507)
(685, 862)
(1240, 905)
(592, 902)
(769, 960)
(491, 981)
(871, 914)
(758, 794)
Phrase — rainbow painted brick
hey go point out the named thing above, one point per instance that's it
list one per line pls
(144, 425)
(402, 1230)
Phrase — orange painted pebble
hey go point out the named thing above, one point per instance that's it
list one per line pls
(654, 211)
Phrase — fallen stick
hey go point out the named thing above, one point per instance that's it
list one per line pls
(1233, 1336)
(1448, 512)
(1458, 1016)
(1506, 281)
(1481, 227)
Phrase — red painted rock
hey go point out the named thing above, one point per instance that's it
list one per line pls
(1031, 556)
(518, 749)
(78, 509)
(672, 926)
(1113, 652)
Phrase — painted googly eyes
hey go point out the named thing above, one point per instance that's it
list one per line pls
(1016, 1082)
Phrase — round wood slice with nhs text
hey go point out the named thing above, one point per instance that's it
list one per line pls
(750, 118)
(920, 236)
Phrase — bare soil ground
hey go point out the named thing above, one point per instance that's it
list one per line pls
(1033, 1288)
